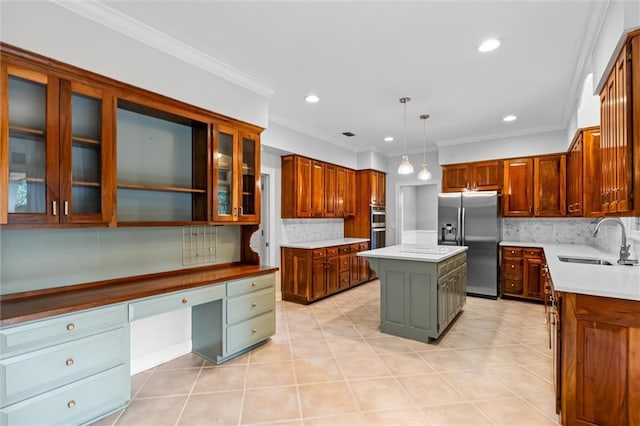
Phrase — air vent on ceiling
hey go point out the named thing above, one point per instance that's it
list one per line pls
(349, 134)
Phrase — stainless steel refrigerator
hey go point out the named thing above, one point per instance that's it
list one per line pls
(472, 219)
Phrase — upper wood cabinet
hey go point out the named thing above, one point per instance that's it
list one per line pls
(377, 187)
(584, 174)
(477, 176)
(56, 148)
(236, 176)
(312, 188)
(620, 140)
(535, 186)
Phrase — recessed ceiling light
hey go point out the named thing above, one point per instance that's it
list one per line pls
(312, 99)
(388, 139)
(488, 45)
(509, 118)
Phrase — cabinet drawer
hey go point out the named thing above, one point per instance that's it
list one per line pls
(172, 301)
(250, 284)
(512, 266)
(363, 246)
(512, 286)
(316, 253)
(332, 251)
(344, 279)
(511, 252)
(345, 261)
(533, 252)
(252, 331)
(344, 249)
(250, 305)
(39, 334)
(33, 373)
(76, 403)
(355, 248)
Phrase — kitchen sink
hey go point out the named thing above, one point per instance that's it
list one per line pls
(585, 260)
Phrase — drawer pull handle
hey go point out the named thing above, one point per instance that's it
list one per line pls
(71, 326)
(254, 330)
(69, 362)
(185, 300)
(253, 284)
(71, 404)
(254, 304)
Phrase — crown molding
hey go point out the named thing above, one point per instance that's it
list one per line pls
(498, 136)
(139, 31)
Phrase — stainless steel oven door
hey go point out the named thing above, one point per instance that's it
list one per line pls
(378, 217)
(378, 237)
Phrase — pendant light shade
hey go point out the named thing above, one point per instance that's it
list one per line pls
(424, 174)
(405, 167)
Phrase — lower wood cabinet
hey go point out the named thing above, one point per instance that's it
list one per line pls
(522, 272)
(600, 360)
(311, 274)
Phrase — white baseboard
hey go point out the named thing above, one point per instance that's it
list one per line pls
(154, 359)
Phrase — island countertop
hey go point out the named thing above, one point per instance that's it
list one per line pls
(415, 252)
(617, 281)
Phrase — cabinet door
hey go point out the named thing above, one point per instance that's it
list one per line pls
(373, 182)
(486, 176)
(350, 209)
(518, 181)
(333, 274)
(248, 170)
(225, 205)
(341, 191)
(550, 185)
(574, 177)
(318, 278)
(455, 178)
(330, 207)
(623, 165)
(87, 166)
(29, 148)
(592, 174)
(355, 269)
(381, 189)
(532, 277)
(303, 186)
(317, 189)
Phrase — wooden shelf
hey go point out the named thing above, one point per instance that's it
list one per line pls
(83, 183)
(160, 188)
(88, 141)
(27, 133)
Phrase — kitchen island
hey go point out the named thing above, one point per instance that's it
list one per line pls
(422, 288)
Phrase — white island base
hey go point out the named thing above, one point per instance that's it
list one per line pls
(422, 289)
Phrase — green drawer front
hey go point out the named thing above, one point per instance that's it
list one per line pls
(173, 301)
(38, 334)
(249, 305)
(252, 331)
(73, 404)
(27, 375)
(250, 284)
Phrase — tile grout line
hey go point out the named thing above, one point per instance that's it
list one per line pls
(293, 367)
(193, 385)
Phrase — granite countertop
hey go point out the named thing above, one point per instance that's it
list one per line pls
(325, 243)
(617, 281)
(415, 252)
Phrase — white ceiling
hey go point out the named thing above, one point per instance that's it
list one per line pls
(360, 57)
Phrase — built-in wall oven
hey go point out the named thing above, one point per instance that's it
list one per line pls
(378, 226)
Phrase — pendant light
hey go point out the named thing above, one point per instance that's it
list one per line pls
(424, 174)
(405, 167)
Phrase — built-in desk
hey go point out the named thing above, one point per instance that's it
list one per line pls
(65, 353)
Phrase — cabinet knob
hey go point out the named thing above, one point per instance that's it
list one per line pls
(71, 404)
(69, 362)
(254, 304)
(253, 284)
(71, 326)
(513, 252)
(513, 266)
(254, 330)
(185, 300)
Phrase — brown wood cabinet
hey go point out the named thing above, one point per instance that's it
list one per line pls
(620, 141)
(476, 176)
(535, 186)
(584, 174)
(311, 274)
(600, 360)
(371, 190)
(522, 272)
(312, 188)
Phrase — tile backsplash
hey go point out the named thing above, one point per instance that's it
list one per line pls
(303, 230)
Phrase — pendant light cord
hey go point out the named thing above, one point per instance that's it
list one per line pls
(405, 128)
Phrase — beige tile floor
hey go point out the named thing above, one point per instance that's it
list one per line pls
(329, 364)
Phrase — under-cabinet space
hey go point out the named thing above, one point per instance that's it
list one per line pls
(162, 166)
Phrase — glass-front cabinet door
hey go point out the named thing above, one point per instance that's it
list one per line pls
(225, 205)
(29, 147)
(249, 183)
(86, 116)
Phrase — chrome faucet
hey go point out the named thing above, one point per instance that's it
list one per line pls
(624, 248)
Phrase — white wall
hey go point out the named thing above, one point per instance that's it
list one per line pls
(372, 160)
(53, 31)
(427, 207)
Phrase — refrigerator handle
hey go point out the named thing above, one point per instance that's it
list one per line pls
(459, 227)
(462, 230)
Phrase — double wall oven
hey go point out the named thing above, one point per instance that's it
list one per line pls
(378, 226)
